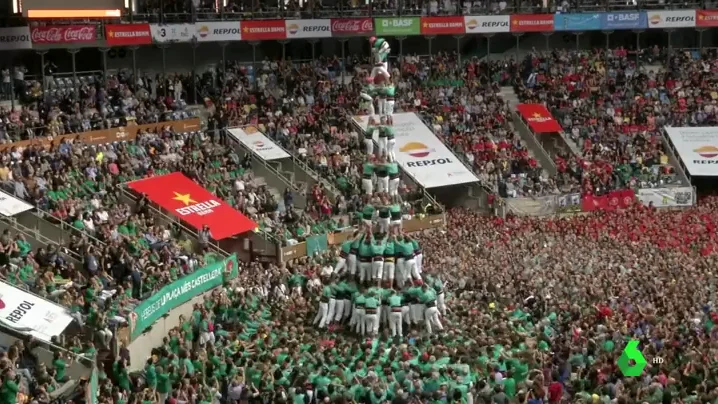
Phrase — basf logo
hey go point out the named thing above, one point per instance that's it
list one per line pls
(309, 28)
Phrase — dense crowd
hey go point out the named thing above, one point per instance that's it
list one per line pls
(527, 317)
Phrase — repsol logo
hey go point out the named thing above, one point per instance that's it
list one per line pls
(494, 24)
(685, 18)
(705, 162)
(425, 163)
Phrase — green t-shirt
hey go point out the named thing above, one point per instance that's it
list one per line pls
(151, 376)
(60, 367)
(8, 393)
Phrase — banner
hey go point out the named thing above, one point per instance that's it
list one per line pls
(30, 314)
(15, 38)
(532, 23)
(538, 118)
(308, 28)
(487, 24)
(94, 387)
(666, 197)
(706, 18)
(63, 35)
(11, 206)
(442, 26)
(352, 26)
(218, 31)
(316, 244)
(193, 204)
(627, 20)
(172, 33)
(569, 203)
(405, 26)
(697, 148)
(177, 293)
(128, 34)
(614, 200)
(672, 19)
(256, 141)
(263, 30)
(577, 22)
(422, 155)
(122, 133)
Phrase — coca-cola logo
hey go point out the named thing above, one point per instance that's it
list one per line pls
(63, 34)
(353, 25)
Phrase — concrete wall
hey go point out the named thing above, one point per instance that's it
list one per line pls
(141, 348)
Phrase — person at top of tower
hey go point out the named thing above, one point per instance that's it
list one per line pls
(380, 53)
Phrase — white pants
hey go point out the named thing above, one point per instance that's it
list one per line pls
(416, 312)
(371, 322)
(321, 316)
(369, 102)
(419, 260)
(410, 269)
(400, 272)
(389, 107)
(396, 223)
(330, 314)
(339, 310)
(352, 264)
(358, 321)
(368, 186)
(381, 104)
(364, 271)
(394, 186)
(389, 268)
(368, 223)
(382, 145)
(431, 317)
(382, 69)
(206, 337)
(340, 266)
(406, 314)
(391, 149)
(384, 224)
(384, 320)
(395, 323)
(347, 309)
(382, 184)
(369, 145)
(441, 303)
(377, 270)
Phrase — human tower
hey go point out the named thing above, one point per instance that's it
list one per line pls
(378, 99)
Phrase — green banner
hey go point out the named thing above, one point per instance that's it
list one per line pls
(398, 26)
(94, 387)
(180, 291)
(316, 244)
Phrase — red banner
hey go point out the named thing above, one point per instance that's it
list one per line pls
(128, 34)
(263, 30)
(442, 25)
(65, 34)
(538, 118)
(532, 23)
(193, 204)
(352, 26)
(614, 200)
(706, 18)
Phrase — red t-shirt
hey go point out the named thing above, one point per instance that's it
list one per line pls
(555, 392)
